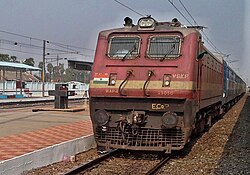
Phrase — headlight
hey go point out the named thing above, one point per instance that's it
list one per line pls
(169, 120)
(224, 95)
(101, 117)
(146, 23)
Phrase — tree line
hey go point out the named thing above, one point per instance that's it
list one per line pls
(53, 73)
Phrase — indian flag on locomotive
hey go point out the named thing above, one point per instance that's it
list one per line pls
(101, 78)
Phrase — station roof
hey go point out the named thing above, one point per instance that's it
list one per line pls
(80, 65)
(17, 65)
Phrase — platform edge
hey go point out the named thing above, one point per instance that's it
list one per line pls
(46, 156)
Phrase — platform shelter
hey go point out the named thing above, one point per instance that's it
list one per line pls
(18, 68)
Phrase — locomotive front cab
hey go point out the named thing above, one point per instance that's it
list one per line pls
(142, 86)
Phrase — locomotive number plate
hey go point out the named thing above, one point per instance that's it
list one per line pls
(167, 93)
(159, 106)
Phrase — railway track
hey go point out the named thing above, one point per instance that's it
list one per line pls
(200, 156)
(94, 164)
(157, 167)
(26, 104)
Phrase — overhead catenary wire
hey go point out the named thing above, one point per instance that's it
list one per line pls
(70, 46)
(39, 39)
(20, 35)
(21, 44)
(64, 47)
(206, 38)
(14, 50)
(172, 3)
(140, 14)
(51, 50)
(188, 12)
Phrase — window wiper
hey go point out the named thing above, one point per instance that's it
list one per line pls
(169, 52)
(129, 52)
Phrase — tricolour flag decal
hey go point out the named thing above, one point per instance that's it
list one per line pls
(101, 78)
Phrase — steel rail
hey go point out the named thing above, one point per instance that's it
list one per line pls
(92, 163)
(156, 168)
(21, 104)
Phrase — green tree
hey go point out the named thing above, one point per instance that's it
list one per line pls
(50, 69)
(69, 75)
(61, 69)
(56, 75)
(29, 61)
(86, 77)
(4, 57)
(40, 65)
(13, 59)
(76, 75)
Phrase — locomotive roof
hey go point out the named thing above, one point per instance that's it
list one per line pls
(218, 57)
(159, 27)
(175, 27)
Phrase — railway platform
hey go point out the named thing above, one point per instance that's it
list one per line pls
(33, 139)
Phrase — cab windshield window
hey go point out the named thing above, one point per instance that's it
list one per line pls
(164, 47)
(124, 47)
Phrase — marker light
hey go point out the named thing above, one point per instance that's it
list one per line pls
(166, 80)
(167, 83)
(112, 82)
(112, 79)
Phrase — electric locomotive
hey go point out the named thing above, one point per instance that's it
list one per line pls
(152, 85)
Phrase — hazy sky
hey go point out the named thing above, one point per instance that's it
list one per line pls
(77, 22)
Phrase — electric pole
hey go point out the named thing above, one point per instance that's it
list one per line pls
(43, 71)
(57, 59)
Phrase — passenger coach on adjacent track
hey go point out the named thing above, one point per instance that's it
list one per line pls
(154, 84)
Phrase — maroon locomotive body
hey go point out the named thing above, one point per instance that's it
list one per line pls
(154, 84)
